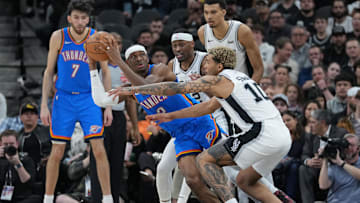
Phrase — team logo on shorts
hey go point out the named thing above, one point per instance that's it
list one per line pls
(235, 145)
(94, 128)
(210, 135)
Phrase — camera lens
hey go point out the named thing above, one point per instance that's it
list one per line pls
(10, 150)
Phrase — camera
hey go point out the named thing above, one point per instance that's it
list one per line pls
(10, 150)
(334, 144)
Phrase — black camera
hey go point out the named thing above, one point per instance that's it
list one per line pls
(10, 150)
(334, 144)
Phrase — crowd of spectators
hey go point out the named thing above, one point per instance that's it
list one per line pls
(311, 55)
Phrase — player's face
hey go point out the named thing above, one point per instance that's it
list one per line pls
(210, 66)
(78, 20)
(183, 50)
(138, 61)
(214, 14)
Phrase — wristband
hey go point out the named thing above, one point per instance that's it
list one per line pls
(343, 164)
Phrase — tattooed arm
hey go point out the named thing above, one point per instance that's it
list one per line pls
(197, 110)
(203, 84)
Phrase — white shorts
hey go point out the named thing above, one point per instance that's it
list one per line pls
(262, 147)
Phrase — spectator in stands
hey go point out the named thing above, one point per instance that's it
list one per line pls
(309, 171)
(357, 72)
(159, 55)
(266, 82)
(287, 8)
(352, 49)
(332, 71)
(318, 83)
(295, 97)
(3, 107)
(281, 102)
(353, 6)
(320, 38)
(281, 78)
(316, 58)
(340, 174)
(15, 123)
(309, 106)
(34, 139)
(156, 28)
(270, 92)
(306, 16)
(299, 37)
(78, 172)
(283, 50)
(17, 171)
(145, 38)
(277, 28)
(339, 16)
(336, 50)
(286, 174)
(266, 50)
(355, 21)
(349, 114)
(232, 10)
(195, 18)
(343, 82)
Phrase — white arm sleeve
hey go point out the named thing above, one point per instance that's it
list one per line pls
(100, 97)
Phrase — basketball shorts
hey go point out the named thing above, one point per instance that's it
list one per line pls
(261, 147)
(193, 137)
(69, 108)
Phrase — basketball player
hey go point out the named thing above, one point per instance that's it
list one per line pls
(186, 65)
(232, 34)
(257, 150)
(73, 101)
(190, 140)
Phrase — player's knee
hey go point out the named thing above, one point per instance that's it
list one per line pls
(57, 152)
(244, 180)
(203, 158)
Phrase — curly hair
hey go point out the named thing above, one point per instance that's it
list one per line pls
(224, 56)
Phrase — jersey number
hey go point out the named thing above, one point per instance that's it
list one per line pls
(75, 68)
(160, 110)
(196, 96)
(257, 91)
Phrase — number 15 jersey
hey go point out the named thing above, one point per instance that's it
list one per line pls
(247, 103)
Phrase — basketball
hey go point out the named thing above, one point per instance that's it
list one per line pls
(93, 44)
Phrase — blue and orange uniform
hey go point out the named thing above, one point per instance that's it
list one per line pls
(192, 134)
(73, 101)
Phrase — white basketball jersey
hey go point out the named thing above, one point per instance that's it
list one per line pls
(230, 41)
(247, 103)
(183, 76)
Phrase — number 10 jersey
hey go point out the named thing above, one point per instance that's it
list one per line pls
(247, 103)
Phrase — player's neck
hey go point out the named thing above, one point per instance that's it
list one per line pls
(221, 30)
(185, 65)
(78, 37)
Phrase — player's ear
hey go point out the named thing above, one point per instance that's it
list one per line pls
(220, 67)
(223, 12)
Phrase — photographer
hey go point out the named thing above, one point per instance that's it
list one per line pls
(342, 175)
(16, 172)
(309, 172)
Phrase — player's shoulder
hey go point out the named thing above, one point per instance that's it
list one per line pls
(57, 33)
(201, 29)
(243, 28)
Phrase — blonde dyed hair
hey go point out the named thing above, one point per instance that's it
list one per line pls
(224, 55)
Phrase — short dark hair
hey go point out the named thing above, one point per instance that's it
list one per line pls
(259, 28)
(287, 67)
(344, 77)
(322, 115)
(280, 43)
(222, 3)
(8, 133)
(80, 5)
(182, 30)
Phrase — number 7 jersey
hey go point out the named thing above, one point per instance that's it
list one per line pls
(73, 65)
(247, 103)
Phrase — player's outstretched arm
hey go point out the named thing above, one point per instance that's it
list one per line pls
(203, 84)
(54, 46)
(197, 110)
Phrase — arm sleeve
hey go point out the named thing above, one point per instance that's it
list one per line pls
(100, 97)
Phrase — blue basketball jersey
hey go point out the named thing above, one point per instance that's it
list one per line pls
(153, 104)
(73, 64)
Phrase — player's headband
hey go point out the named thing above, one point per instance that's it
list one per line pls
(182, 36)
(134, 48)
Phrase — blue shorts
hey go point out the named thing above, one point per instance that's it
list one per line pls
(68, 109)
(192, 138)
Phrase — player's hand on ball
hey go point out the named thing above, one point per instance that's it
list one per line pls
(160, 118)
(111, 48)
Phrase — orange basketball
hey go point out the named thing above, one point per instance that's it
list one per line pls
(93, 44)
